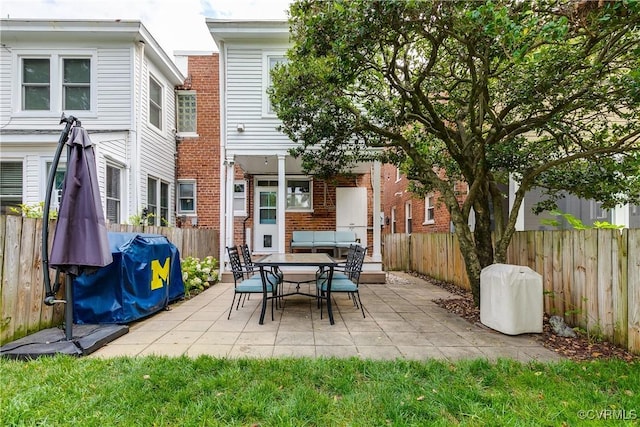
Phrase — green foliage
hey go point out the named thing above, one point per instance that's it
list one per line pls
(576, 223)
(544, 92)
(198, 274)
(143, 218)
(162, 391)
(35, 210)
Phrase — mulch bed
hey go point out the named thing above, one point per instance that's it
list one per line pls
(578, 349)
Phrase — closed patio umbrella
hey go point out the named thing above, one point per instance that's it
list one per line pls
(80, 241)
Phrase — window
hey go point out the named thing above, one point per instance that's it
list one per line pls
(76, 84)
(394, 224)
(164, 204)
(299, 194)
(597, 212)
(36, 84)
(155, 103)
(152, 200)
(270, 61)
(409, 217)
(240, 198)
(56, 193)
(55, 82)
(10, 185)
(114, 190)
(158, 207)
(187, 112)
(186, 197)
(398, 174)
(429, 210)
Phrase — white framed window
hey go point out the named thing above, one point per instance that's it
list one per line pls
(240, 198)
(398, 174)
(187, 112)
(597, 212)
(164, 219)
(186, 196)
(56, 192)
(299, 194)
(152, 200)
(55, 81)
(429, 210)
(155, 103)
(76, 84)
(269, 61)
(10, 185)
(408, 218)
(114, 193)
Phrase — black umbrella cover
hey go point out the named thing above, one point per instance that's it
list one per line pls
(80, 242)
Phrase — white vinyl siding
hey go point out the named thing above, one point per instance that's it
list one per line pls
(157, 156)
(244, 87)
(111, 91)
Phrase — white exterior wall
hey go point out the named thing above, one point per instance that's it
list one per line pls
(111, 89)
(245, 70)
(158, 148)
(117, 121)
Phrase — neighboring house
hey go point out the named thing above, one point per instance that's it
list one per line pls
(405, 212)
(198, 162)
(587, 211)
(263, 188)
(114, 77)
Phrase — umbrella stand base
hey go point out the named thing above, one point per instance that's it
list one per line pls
(52, 341)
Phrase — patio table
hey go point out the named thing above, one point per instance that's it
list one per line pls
(319, 260)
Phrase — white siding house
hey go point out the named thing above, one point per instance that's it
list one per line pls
(114, 77)
(252, 149)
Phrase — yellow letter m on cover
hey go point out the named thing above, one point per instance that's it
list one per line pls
(159, 273)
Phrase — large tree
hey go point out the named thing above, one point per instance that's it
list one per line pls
(544, 92)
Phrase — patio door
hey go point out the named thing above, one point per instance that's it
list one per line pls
(265, 236)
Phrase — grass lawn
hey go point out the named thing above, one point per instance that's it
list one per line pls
(160, 391)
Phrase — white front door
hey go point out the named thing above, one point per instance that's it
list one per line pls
(266, 213)
(351, 211)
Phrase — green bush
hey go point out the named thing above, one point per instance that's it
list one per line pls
(198, 274)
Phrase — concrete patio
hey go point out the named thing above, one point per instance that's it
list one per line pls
(402, 322)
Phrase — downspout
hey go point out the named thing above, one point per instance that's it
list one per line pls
(222, 77)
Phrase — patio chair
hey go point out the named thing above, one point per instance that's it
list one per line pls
(251, 285)
(343, 270)
(247, 261)
(342, 284)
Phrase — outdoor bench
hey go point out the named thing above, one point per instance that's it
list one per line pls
(323, 239)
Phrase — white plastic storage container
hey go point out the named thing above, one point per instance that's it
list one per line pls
(511, 299)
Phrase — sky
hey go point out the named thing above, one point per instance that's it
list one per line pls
(176, 25)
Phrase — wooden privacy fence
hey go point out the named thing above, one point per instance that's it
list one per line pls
(21, 283)
(591, 277)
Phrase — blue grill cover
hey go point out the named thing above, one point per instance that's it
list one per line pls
(144, 277)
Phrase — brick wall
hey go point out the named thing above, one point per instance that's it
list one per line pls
(396, 194)
(199, 158)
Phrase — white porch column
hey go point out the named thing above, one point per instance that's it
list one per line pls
(228, 205)
(282, 199)
(377, 243)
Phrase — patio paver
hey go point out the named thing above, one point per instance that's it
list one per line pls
(402, 323)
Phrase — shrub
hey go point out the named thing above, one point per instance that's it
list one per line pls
(198, 274)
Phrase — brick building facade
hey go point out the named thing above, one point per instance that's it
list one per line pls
(198, 157)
